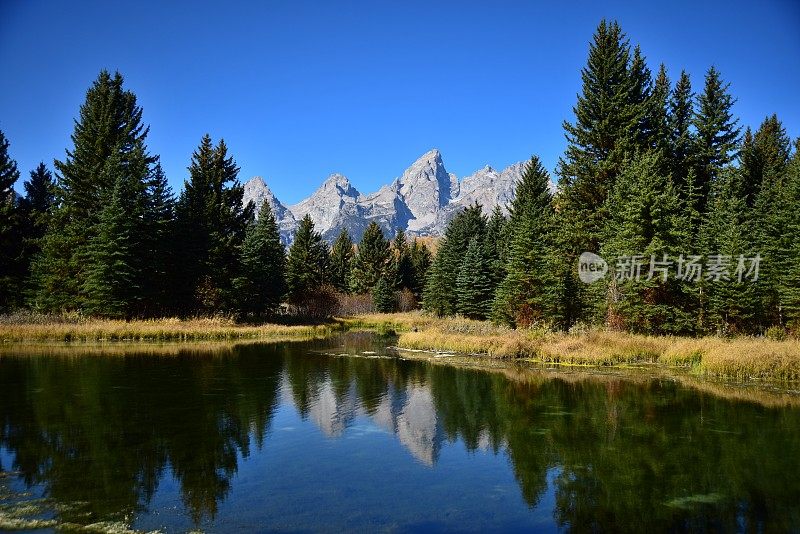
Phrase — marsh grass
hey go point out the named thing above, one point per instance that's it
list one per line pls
(743, 358)
(153, 330)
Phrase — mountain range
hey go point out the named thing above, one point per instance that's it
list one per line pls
(421, 201)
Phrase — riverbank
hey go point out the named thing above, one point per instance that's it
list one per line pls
(82, 330)
(744, 358)
(741, 359)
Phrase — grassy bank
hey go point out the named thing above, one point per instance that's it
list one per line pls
(35, 330)
(737, 358)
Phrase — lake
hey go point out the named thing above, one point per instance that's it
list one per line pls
(345, 435)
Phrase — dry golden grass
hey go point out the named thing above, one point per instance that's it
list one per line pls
(168, 329)
(739, 358)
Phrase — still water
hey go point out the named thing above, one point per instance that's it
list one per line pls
(344, 435)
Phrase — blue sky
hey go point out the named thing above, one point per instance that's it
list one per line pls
(302, 89)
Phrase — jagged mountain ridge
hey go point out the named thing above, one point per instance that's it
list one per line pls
(422, 201)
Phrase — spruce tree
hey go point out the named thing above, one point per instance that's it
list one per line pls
(474, 283)
(608, 122)
(159, 278)
(10, 230)
(531, 291)
(371, 260)
(717, 137)
(35, 209)
(110, 288)
(401, 265)
(306, 263)
(211, 225)
(421, 259)
(341, 262)
(660, 137)
(108, 137)
(383, 296)
(261, 283)
(681, 112)
(646, 236)
(730, 306)
(439, 295)
(495, 247)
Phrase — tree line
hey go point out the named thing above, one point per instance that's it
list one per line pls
(107, 237)
(651, 171)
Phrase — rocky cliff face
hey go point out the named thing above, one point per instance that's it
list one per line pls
(421, 201)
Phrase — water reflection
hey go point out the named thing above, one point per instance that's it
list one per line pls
(97, 435)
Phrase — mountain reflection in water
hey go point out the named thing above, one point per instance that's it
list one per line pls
(304, 436)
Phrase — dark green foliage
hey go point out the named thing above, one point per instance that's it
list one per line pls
(440, 295)
(341, 264)
(717, 137)
(35, 209)
(371, 260)
(530, 291)
(306, 263)
(261, 283)
(730, 306)
(681, 112)
(111, 286)
(421, 259)
(609, 116)
(108, 149)
(401, 266)
(383, 296)
(10, 230)
(647, 220)
(474, 283)
(211, 225)
(159, 277)
(495, 247)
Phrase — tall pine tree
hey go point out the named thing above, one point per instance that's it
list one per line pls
(341, 263)
(261, 283)
(371, 260)
(10, 239)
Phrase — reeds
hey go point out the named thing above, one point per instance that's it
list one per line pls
(741, 358)
(153, 330)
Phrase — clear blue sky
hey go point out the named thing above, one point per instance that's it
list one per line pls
(302, 89)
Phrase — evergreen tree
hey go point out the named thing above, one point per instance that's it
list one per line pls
(371, 260)
(730, 305)
(401, 265)
(10, 239)
(159, 223)
(108, 139)
(211, 222)
(717, 137)
(531, 290)
(608, 123)
(341, 262)
(439, 295)
(35, 210)
(110, 288)
(421, 260)
(660, 137)
(495, 247)
(681, 112)
(474, 283)
(306, 264)
(383, 296)
(647, 231)
(261, 284)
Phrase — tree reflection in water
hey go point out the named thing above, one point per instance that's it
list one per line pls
(617, 454)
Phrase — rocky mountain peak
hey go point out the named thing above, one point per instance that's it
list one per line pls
(421, 201)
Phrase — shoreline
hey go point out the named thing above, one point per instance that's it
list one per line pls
(743, 359)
